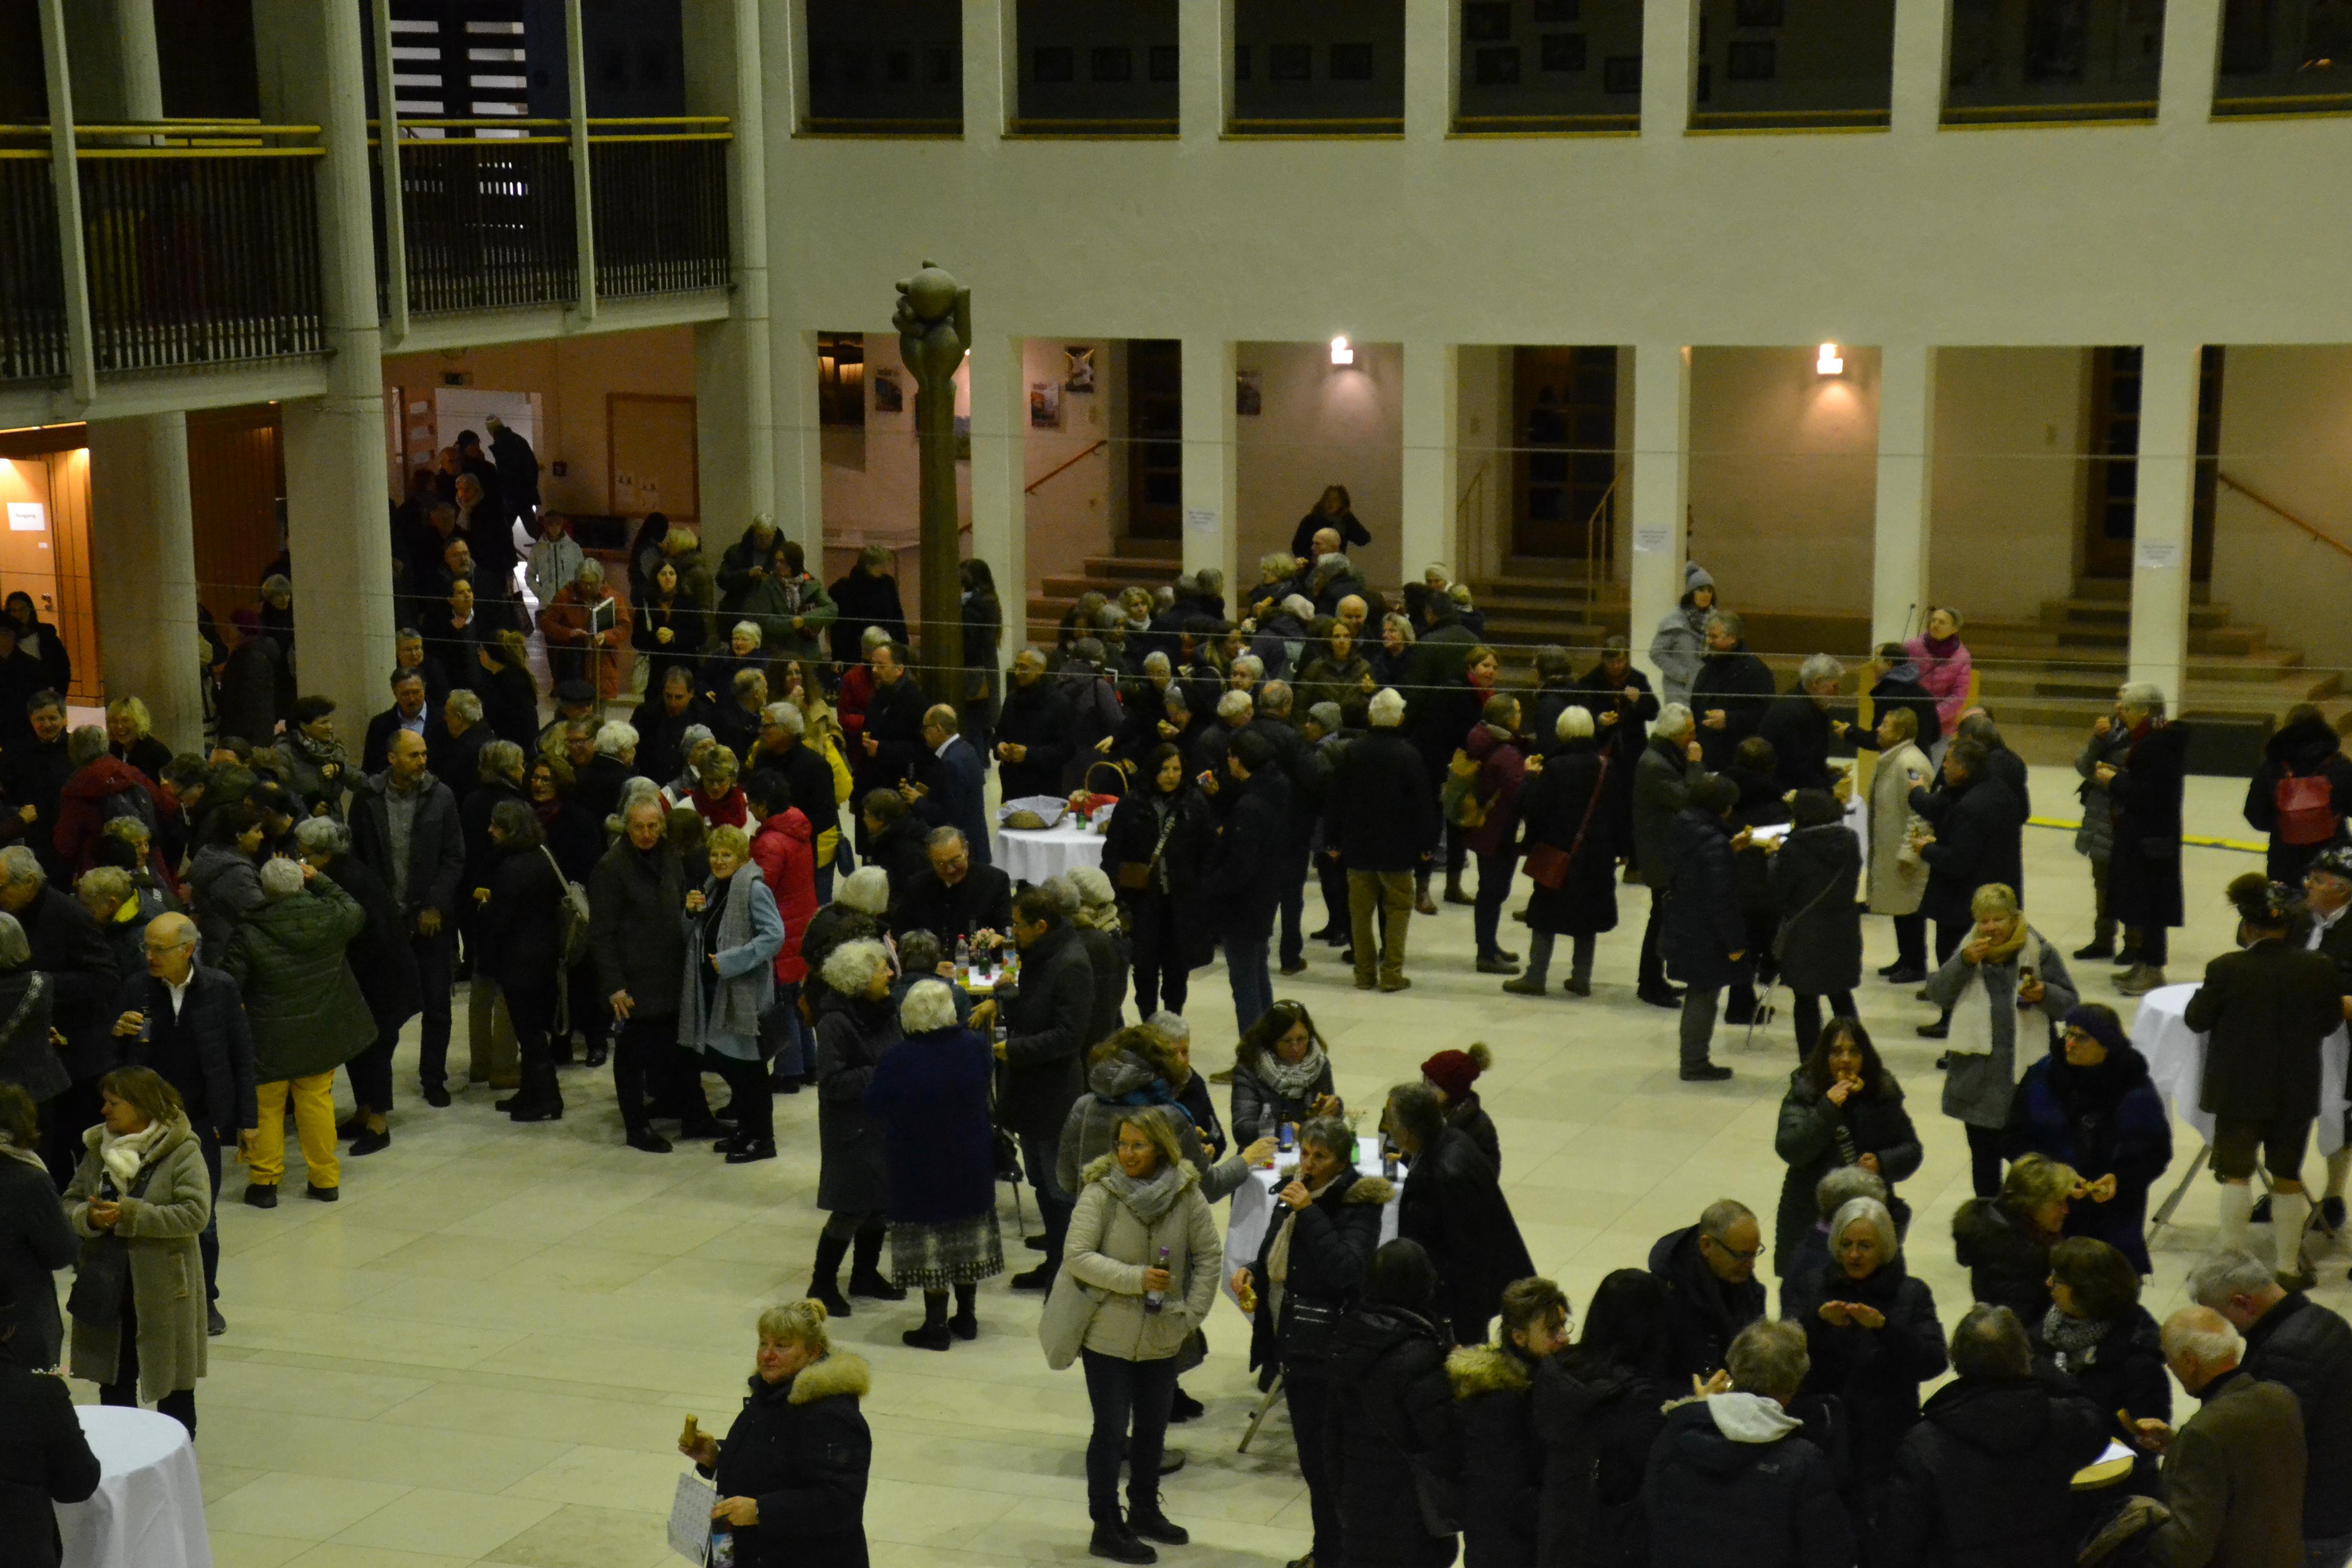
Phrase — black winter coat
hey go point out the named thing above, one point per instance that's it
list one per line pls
(1978, 830)
(853, 1035)
(206, 1054)
(1390, 1411)
(1553, 808)
(1250, 865)
(1454, 1206)
(1875, 1372)
(929, 1093)
(1662, 775)
(981, 901)
(1712, 1500)
(2124, 1371)
(1034, 716)
(864, 600)
(2268, 1009)
(801, 1449)
(2007, 1262)
(1985, 1479)
(381, 961)
(1596, 1422)
(1704, 923)
(2104, 1121)
(2143, 875)
(519, 938)
(1740, 685)
(1330, 1248)
(1799, 728)
(69, 948)
(1502, 1464)
(2308, 749)
(43, 1460)
(1703, 1313)
(634, 899)
(436, 845)
(35, 1243)
(1623, 741)
(1817, 1136)
(2308, 1347)
(1383, 813)
(1046, 1024)
(1814, 875)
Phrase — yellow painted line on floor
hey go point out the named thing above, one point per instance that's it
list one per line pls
(2199, 841)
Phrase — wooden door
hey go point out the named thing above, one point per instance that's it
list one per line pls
(651, 456)
(1564, 448)
(1155, 425)
(2111, 508)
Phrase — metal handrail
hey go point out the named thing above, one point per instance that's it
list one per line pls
(1074, 462)
(2272, 507)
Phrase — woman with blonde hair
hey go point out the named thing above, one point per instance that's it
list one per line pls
(128, 738)
(2004, 973)
(791, 1470)
(732, 936)
(2004, 1242)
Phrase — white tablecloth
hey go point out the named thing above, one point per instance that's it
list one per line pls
(149, 1508)
(1254, 1208)
(1033, 854)
(2176, 1061)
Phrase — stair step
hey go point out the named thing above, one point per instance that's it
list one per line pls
(1127, 570)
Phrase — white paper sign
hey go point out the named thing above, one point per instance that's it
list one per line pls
(2154, 556)
(27, 517)
(689, 1517)
(1200, 520)
(1649, 540)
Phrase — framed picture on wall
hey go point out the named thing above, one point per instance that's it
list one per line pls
(888, 397)
(1249, 392)
(1045, 405)
(1081, 378)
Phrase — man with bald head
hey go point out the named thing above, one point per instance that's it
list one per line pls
(186, 1022)
(1352, 612)
(2234, 1477)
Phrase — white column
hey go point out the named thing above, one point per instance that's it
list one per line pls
(990, 87)
(800, 456)
(1923, 33)
(2166, 470)
(1669, 66)
(1661, 485)
(1212, 465)
(2192, 44)
(1432, 55)
(735, 408)
(1906, 425)
(312, 72)
(1000, 533)
(1204, 50)
(1428, 530)
(141, 513)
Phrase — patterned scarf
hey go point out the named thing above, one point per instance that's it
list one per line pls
(2073, 1341)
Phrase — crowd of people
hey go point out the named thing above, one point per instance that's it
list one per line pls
(193, 943)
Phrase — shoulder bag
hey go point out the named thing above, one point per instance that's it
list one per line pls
(1069, 1314)
(1548, 865)
(102, 1272)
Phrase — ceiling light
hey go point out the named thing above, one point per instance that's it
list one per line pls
(1341, 353)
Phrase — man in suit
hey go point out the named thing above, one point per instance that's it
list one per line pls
(405, 807)
(405, 714)
(186, 1022)
(952, 896)
(955, 782)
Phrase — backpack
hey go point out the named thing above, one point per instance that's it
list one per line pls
(2306, 808)
(1463, 807)
(134, 803)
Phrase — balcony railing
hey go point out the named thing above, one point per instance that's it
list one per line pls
(489, 215)
(200, 241)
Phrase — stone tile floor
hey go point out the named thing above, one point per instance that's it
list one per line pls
(484, 1353)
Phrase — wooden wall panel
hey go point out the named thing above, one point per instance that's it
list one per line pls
(236, 473)
(77, 613)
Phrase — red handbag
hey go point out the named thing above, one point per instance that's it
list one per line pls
(1548, 864)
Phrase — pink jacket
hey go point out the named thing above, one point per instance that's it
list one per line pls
(1947, 680)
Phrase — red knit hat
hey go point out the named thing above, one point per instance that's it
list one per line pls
(1455, 1071)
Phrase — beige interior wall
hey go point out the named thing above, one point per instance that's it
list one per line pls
(1322, 425)
(1483, 476)
(2009, 478)
(1081, 510)
(2287, 413)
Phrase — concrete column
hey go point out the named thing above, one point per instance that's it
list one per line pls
(1212, 465)
(1661, 485)
(1923, 33)
(142, 513)
(2193, 45)
(1906, 425)
(116, 73)
(1204, 50)
(2166, 469)
(1669, 66)
(1429, 531)
(1000, 425)
(312, 72)
(1433, 55)
(990, 67)
(800, 456)
(735, 407)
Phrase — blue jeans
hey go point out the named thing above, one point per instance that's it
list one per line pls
(1253, 986)
(1053, 1205)
(1124, 1393)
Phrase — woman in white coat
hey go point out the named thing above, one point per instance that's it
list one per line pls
(1898, 877)
(1145, 1249)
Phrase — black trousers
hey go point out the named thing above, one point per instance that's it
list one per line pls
(530, 1008)
(647, 1058)
(208, 1239)
(371, 1070)
(1809, 1015)
(1653, 974)
(1306, 1394)
(1333, 875)
(1911, 940)
(746, 1095)
(1293, 950)
(1949, 934)
(1158, 959)
(180, 1404)
(1984, 1160)
(433, 983)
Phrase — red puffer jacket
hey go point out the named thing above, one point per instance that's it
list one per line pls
(784, 850)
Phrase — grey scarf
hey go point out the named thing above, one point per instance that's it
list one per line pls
(1151, 1201)
(2073, 1341)
(1291, 1079)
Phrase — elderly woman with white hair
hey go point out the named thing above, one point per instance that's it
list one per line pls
(2144, 791)
(1564, 810)
(732, 936)
(1872, 1331)
(856, 1025)
(855, 914)
(930, 1094)
(1093, 908)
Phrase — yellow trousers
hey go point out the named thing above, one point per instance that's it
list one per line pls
(314, 1124)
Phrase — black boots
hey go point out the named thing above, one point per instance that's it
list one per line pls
(865, 1277)
(933, 1335)
(1113, 1540)
(825, 1285)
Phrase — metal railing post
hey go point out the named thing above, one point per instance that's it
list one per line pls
(395, 224)
(583, 185)
(82, 351)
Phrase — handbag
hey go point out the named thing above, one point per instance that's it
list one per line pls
(1069, 1314)
(1134, 875)
(102, 1272)
(1548, 864)
(1306, 1325)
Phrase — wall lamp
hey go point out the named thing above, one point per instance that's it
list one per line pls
(1830, 362)
(1341, 354)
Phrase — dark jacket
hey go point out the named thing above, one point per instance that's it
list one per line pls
(1985, 1479)
(634, 898)
(1554, 807)
(1046, 1023)
(2306, 749)
(2124, 1371)
(863, 601)
(1382, 815)
(1900, 688)
(1259, 1108)
(2007, 1262)
(1740, 685)
(437, 844)
(1392, 1411)
(853, 1035)
(1713, 1499)
(2308, 1349)
(257, 691)
(1107, 955)
(69, 948)
(899, 850)
(1330, 1247)
(2144, 876)
(1248, 870)
(1703, 1313)
(801, 1449)
(1502, 1463)
(1597, 1422)
(376, 747)
(1875, 1372)
(510, 703)
(381, 961)
(893, 722)
(43, 1458)
(1175, 859)
(1814, 876)
(2104, 1121)
(207, 1052)
(1352, 533)
(35, 1243)
(519, 940)
(1799, 728)
(28, 1057)
(1661, 779)
(1501, 769)
(1704, 923)
(305, 1008)
(1817, 1136)
(981, 901)
(1035, 717)
(930, 1096)
(35, 773)
(2235, 1478)
(1979, 828)
(957, 781)
(1454, 1206)
(2266, 1010)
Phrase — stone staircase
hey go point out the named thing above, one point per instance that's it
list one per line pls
(1150, 562)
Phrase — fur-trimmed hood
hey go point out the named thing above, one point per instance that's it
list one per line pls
(1487, 1368)
(840, 1372)
(1369, 1190)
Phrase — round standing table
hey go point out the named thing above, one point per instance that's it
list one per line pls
(149, 1508)
(1033, 854)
